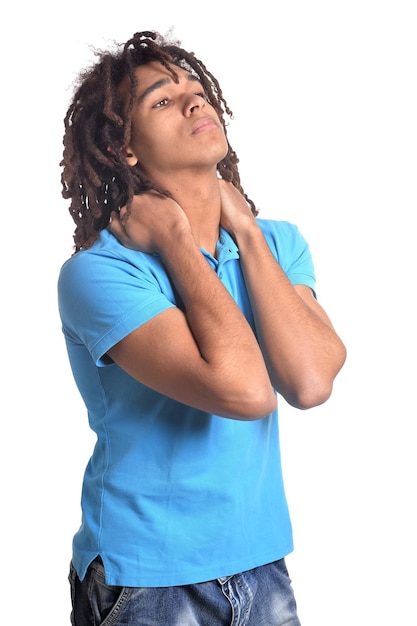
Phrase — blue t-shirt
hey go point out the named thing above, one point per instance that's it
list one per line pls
(171, 495)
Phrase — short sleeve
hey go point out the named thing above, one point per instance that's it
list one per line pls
(291, 250)
(104, 294)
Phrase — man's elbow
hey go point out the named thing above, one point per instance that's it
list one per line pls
(308, 398)
(311, 392)
(254, 403)
(312, 388)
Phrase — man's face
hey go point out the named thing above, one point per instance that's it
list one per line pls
(174, 128)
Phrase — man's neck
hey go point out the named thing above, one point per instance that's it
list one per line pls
(199, 197)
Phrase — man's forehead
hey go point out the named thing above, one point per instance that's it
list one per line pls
(153, 75)
(155, 68)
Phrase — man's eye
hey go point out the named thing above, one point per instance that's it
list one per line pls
(161, 103)
(202, 95)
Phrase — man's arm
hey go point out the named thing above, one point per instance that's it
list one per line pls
(302, 351)
(208, 357)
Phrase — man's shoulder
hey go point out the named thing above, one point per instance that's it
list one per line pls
(278, 226)
(280, 231)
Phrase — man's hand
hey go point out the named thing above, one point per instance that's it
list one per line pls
(152, 220)
(236, 215)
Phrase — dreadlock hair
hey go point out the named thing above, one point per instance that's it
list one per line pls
(95, 175)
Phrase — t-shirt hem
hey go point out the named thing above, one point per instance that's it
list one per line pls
(189, 577)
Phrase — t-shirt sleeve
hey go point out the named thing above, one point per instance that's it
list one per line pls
(291, 251)
(102, 299)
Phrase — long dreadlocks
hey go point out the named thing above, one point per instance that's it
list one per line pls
(95, 175)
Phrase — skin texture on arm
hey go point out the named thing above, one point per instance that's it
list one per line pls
(302, 351)
(208, 357)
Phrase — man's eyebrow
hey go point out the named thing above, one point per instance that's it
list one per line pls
(161, 83)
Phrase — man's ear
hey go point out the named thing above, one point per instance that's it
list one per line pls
(127, 154)
(131, 159)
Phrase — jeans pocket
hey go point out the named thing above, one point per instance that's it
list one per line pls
(94, 603)
(106, 601)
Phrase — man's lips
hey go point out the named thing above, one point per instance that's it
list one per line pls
(204, 124)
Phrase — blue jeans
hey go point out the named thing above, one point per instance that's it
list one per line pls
(259, 597)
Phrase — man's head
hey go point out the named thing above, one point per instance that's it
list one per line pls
(175, 131)
(101, 172)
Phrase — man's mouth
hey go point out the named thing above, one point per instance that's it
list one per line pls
(206, 123)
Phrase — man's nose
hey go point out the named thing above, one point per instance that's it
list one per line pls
(193, 102)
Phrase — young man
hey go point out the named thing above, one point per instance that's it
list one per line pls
(184, 316)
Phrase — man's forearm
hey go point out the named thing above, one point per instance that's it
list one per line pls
(224, 338)
(302, 351)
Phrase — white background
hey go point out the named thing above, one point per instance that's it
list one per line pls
(325, 101)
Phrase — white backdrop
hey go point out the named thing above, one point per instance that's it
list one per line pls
(324, 96)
